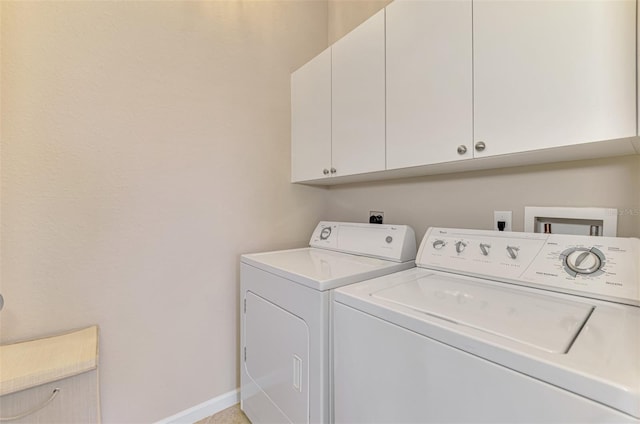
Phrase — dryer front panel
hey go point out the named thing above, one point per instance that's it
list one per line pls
(276, 358)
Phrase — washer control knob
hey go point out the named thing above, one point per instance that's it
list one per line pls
(460, 245)
(439, 244)
(512, 251)
(583, 261)
(484, 249)
(389, 239)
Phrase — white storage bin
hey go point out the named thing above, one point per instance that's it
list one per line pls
(51, 380)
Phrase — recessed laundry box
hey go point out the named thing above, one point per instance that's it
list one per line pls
(51, 380)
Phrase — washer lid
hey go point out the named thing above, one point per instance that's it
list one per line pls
(544, 322)
(323, 269)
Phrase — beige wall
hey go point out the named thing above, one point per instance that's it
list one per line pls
(469, 199)
(145, 146)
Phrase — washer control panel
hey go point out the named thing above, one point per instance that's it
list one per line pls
(606, 268)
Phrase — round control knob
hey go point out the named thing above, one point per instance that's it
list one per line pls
(512, 251)
(389, 239)
(325, 233)
(439, 244)
(584, 261)
(484, 249)
(460, 245)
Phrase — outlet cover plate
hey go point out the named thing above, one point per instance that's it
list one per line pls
(505, 216)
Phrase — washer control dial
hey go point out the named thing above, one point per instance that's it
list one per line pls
(460, 245)
(325, 233)
(484, 249)
(581, 260)
(512, 251)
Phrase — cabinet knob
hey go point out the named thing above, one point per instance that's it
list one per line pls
(462, 149)
(480, 146)
(325, 171)
(333, 170)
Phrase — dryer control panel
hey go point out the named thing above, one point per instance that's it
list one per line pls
(605, 268)
(393, 242)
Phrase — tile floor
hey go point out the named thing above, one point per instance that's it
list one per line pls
(232, 415)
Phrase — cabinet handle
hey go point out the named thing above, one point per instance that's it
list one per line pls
(333, 170)
(462, 149)
(480, 146)
(325, 171)
(35, 408)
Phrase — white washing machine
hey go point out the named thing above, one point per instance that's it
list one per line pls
(494, 327)
(285, 320)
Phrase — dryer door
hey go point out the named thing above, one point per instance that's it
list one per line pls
(277, 357)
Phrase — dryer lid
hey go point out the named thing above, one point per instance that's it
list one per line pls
(545, 322)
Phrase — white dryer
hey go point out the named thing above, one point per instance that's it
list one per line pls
(286, 312)
(494, 327)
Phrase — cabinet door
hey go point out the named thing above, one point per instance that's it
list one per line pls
(358, 97)
(429, 82)
(311, 119)
(552, 73)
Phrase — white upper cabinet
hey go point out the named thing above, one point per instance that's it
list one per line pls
(435, 86)
(553, 73)
(311, 119)
(429, 82)
(358, 99)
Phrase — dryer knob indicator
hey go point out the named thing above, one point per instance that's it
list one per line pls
(325, 233)
(439, 244)
(484, 249)
(460, 245)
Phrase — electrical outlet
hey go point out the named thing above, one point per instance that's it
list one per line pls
(376, 217)
(502, 216)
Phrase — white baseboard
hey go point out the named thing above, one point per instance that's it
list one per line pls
(204, 410)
